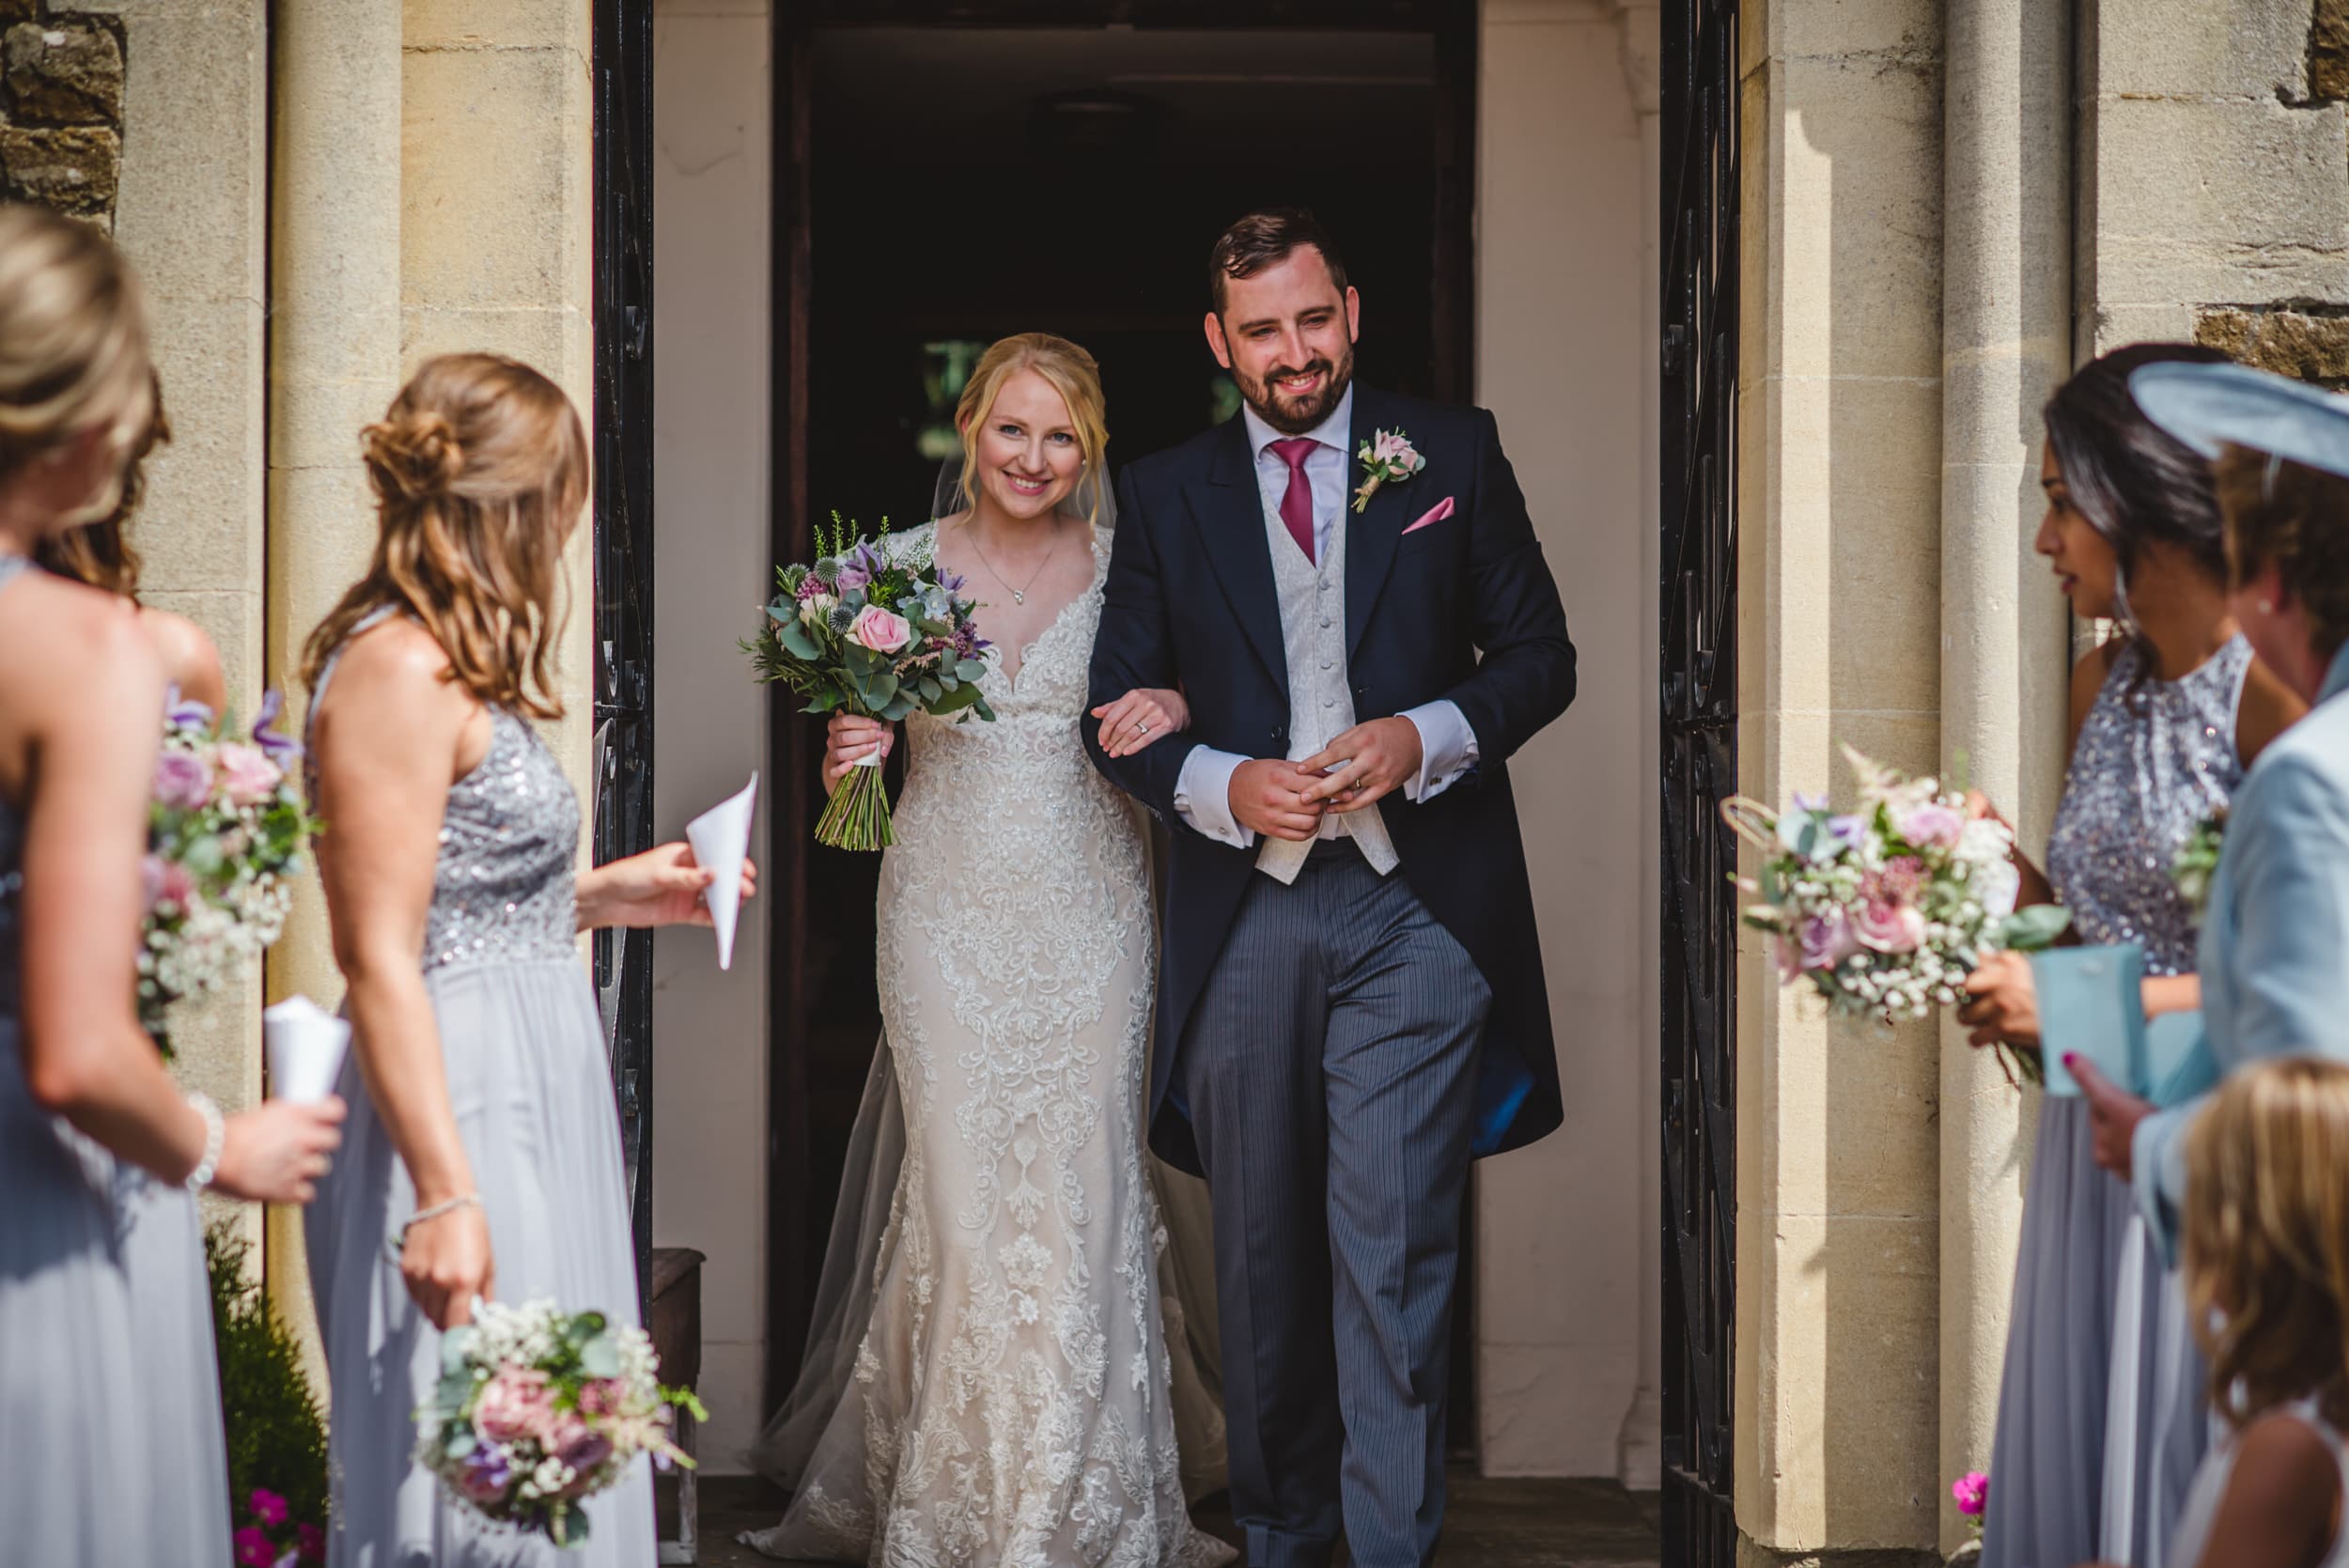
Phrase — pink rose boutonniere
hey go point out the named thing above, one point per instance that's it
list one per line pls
(1387, 456)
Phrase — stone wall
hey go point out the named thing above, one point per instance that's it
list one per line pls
(61, 92)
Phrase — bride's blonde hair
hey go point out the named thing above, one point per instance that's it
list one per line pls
(481, 469)
(73, 354)
(1069, 370)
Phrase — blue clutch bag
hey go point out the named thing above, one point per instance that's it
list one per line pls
(2092, 1003)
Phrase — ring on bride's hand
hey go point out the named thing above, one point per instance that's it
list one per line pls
(1142, 727)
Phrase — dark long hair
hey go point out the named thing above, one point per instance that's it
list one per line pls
(2134, 483)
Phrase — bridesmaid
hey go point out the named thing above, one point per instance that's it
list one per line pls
(481, 1099)
(2275, 942)
(128, 1462)
(2158, 721)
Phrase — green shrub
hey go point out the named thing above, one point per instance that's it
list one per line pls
(276, 1434)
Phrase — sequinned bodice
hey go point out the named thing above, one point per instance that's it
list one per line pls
(2154, 760)
(11, 864)
(502, 885)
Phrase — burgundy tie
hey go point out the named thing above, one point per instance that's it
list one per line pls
(1297, 506)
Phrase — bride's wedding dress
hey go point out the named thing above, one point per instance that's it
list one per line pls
(1007, 1400)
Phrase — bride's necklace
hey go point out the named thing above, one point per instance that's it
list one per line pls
(1018, 595)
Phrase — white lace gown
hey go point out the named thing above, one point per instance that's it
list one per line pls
(1010, 1401)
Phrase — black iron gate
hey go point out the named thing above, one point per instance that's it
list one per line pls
(1698, 665)
(622, 420)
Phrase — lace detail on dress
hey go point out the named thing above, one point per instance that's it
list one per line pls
(2154, 759)
(1010, 1403)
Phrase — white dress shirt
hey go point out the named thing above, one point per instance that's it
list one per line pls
(1202, 794)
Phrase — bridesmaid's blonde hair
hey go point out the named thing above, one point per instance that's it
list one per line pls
(1072, 374)
(2266, 1226)
(73, 352)
(481, 469)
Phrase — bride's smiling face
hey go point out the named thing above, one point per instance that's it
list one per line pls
(1029, 456)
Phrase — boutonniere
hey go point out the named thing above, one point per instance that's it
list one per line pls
(1387, 454)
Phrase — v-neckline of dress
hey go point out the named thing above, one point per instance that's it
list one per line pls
(1060, 616)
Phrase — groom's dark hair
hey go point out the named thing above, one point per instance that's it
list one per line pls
(1265, 239)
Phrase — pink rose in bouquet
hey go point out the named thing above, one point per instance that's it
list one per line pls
(517, 1403)
(247, 777)
(880, 630)
(182, 782)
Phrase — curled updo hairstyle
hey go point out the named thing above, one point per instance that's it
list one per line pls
(1072, 374)
(2295, 520)
(99, 553)
(2135, 484)
(73, 352)
(2266, 1223)
(479, 468)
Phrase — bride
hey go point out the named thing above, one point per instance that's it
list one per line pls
(992, 1374)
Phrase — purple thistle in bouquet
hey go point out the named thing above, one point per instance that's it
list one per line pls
(1886, 909)
(226, 828)
(876, 631)
(539, 1410)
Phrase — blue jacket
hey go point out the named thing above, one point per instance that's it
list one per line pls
(2274, 954)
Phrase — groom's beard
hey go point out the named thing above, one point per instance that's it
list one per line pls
(1293, 416)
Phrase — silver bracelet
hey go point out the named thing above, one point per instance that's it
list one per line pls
(397, 1243)
(215, 1135)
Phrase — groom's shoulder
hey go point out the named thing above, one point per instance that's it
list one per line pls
(1425, 420)
(1173, 465)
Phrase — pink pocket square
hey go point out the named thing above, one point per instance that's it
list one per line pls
(1435, 514)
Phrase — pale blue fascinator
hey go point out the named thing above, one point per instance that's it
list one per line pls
(2211, 407)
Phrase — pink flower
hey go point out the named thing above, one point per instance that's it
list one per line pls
(1931, 826)
(253, 1548)
(247, 774)
(175, 885)
(1888, 927)
(1827, 941)
(1972, 1492)
(182, 780)
(310, 1542)
(880, 630)
(269, 1507)
(152, 880)
(602, 1396)
(514, 1404)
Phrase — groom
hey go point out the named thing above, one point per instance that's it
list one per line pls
(1352, 1004)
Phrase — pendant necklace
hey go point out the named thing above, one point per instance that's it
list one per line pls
(1018, 595)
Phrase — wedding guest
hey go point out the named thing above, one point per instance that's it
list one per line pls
(102, 555)
(482, 1109)
(2159, 717)
(121, 1454)
(2274, 936)
(2267, 1271)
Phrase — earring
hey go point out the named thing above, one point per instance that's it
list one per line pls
(2267, 607)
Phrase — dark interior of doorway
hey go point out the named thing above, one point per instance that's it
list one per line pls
(945, 184)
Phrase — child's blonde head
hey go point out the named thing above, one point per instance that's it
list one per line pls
(2267, 1234)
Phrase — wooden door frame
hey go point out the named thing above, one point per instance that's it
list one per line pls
(793, 749)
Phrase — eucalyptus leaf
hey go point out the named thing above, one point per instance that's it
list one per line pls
(956, 700)
(599, 1357)
(455, 1346)
(462, 1441)
(930, 689)
(970, 669)
(795, 641)
(2033, 928)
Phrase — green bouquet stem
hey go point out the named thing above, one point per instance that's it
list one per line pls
(858, 817)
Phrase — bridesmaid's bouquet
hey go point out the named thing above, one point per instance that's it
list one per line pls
(875, 632)
(1886, 909)
(226, 832)
(540, 1409)
(2197, 862)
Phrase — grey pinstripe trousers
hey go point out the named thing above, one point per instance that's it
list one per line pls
(1329, 1074)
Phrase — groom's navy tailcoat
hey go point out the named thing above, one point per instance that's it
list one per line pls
(1191, 602)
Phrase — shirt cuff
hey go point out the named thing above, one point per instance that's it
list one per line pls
(1203, 795)
(1447, 747)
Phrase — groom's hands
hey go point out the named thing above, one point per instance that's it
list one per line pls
(1268, 795)
(1378, 758)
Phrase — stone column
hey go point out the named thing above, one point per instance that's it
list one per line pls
(496, 238)
(1839, 512)
(334, 364)
(2006, 328)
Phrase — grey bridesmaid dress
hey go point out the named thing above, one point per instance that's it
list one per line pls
(2154, 758)
(108, 1387)
(522, 1047)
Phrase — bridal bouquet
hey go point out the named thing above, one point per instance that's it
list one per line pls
(1886, 909)
(226, 832)
(540, 1409)
(877, 632)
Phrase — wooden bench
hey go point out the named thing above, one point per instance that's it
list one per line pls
(676, 1336)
